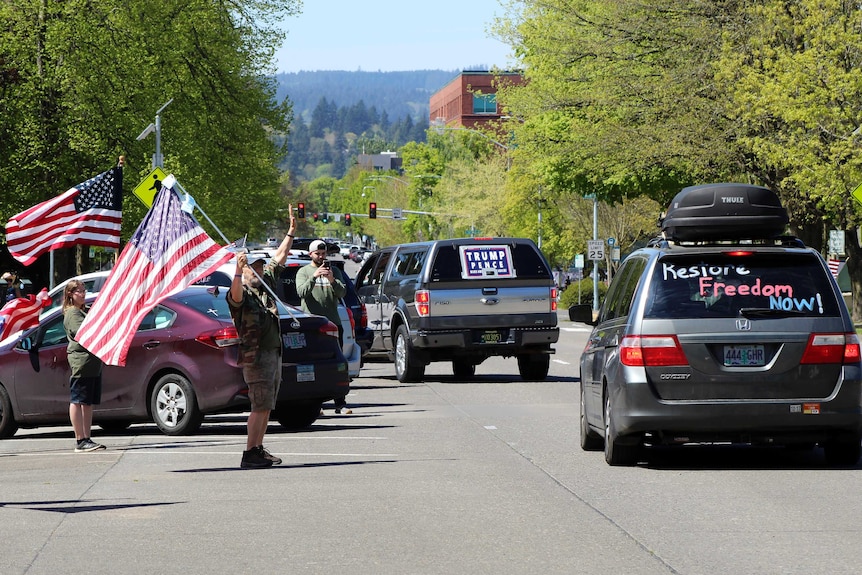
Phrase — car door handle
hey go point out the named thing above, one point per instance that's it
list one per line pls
(489, 300)
(152, 344)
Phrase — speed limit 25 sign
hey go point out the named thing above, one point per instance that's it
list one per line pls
(596, 249)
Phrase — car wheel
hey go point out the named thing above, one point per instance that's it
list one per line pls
(174, 406)
(590, 440)
(844, 451)
(294, 416)
(463, 369)
(407, 369)
(617, 453)
(534, 367)
(115, 425)
(8, 427)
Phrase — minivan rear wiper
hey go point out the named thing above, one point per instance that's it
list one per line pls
(763, 312)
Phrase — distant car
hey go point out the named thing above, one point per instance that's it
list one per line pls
(182, 365)
(347, 250)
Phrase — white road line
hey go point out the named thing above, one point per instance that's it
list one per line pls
(562, 362)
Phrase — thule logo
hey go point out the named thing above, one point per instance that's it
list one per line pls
(733, 200)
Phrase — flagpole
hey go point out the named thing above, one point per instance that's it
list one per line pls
(172, 182)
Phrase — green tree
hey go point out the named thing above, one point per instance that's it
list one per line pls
(81, 79)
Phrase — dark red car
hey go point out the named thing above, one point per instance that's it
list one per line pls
(181, 366)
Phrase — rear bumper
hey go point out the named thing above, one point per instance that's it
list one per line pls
(513, 340)
(638, 411)
(322, 380)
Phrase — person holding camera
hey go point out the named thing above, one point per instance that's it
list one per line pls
(12, 289)
(320, 287)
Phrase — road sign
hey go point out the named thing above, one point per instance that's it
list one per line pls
(579, 261)
(146, 191)
(596, 249)
(615, 254)
(612, 241)
(857, 193)
(396, 213)
(836, 242)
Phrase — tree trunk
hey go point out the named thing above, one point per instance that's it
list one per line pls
(854, 269)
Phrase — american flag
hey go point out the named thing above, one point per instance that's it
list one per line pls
(88, 214)
(22, 313)
(167, 253)
(835, 266)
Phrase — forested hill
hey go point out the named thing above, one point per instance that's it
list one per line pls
(399, 94)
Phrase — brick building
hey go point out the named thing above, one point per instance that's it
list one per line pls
(470, 99)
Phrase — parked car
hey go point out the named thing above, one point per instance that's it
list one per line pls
(722, 330)
(181, 366)
(354, 321)
(461, 300)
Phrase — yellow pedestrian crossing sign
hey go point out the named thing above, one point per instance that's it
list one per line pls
(147, 190)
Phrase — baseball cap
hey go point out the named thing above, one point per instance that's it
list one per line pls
(317, 245)
(255, 260)
(7, 277)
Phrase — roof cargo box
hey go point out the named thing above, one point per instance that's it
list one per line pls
(712, 212)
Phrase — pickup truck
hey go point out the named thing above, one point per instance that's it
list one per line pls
(460, 300)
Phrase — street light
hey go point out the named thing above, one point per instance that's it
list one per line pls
(158, 161)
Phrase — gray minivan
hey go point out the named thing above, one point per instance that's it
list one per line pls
(735, 338)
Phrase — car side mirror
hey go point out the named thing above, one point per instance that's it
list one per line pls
(27, 344)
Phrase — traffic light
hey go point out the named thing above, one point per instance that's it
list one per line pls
(372, 210)
(347, 219)
(325, 218)
(300, 210)
(315, 216)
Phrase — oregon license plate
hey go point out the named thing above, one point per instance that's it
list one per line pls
(744, 356)
(494, 336)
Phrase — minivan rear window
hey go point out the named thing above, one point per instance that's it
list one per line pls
(720, 285)
(526, 261)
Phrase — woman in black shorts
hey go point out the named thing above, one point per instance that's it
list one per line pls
(85, 383)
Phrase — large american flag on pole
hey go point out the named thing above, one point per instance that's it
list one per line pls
(88, 214)
(167, 253)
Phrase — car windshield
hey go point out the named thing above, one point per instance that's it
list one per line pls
(722, 285)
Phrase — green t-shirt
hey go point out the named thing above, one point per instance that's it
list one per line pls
(256, 317)
(320, 296)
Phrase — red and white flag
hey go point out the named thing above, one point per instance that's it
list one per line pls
(835, 266)
(22, 313)
(167, 253)
(88, 214)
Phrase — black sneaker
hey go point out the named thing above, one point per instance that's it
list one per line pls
(275, 460)
(255, 459)
(88, 444)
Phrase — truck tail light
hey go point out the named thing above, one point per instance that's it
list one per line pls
(651, 351)
(423, 302)
(553, 299)
(363, 319)
(831, 348)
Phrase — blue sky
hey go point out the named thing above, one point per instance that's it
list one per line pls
(392, 35)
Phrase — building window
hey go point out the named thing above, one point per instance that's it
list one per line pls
(484, 103)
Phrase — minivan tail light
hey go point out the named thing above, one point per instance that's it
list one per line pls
(219, 338)
(423, 302)
(651, 351)
(329, 329)
(831, 348)
(553, 299)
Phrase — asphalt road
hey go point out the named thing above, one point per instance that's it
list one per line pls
(439, 477)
